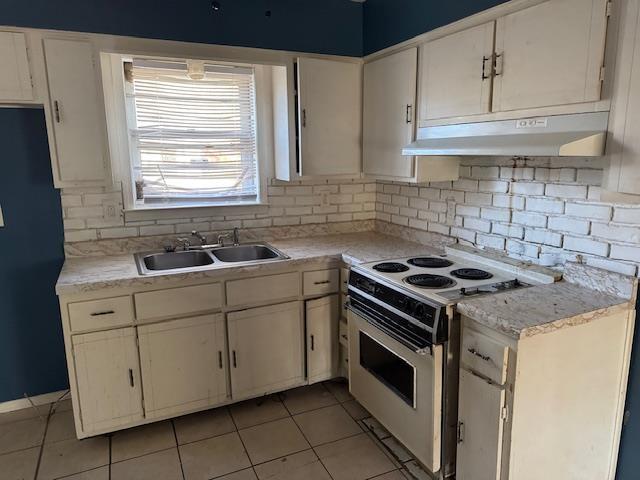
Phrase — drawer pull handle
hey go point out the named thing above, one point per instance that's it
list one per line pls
(220, 359)
(313, 343)
(131, 378)
(322, 282)
(235, 360)
(476, 353)
(56, 111)
(345, 337)
(106, 312)
(460, 432)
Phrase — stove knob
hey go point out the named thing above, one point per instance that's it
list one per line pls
(418, 310)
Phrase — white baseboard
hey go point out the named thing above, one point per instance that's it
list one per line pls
(21, 403)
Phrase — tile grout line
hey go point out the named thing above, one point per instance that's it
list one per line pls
(175, 436)
(242, 442)
(44, 435)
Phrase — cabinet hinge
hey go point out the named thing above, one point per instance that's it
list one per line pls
(609, 9)
(504, 414)
(603, 71)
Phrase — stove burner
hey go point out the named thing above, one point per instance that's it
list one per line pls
(424, 280)
(471, 274)
(430, 262)
(390, 267)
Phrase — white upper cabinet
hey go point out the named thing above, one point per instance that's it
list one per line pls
(550, 54)
(330, 117)
(15, 75)
(388, 123)
(77, 111)
(455, 74)
(623, 146)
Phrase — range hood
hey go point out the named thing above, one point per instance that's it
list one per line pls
(575, 135)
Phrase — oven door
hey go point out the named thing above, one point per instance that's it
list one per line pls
(400, 387)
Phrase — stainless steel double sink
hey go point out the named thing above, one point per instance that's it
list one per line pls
(151, 263)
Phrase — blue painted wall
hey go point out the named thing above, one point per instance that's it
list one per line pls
(327, 26)
(389, 22)
(31, 254)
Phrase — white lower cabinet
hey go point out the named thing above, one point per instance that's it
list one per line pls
(266, 347)
(183, 365)
(322, 317)
(480, 428)
(107, 379)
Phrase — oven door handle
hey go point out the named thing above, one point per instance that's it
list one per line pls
(372, 321)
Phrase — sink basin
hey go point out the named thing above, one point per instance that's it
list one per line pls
(175, 260)
(246, 253)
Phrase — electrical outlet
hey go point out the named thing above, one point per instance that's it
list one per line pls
(111, 210)
(1, 217)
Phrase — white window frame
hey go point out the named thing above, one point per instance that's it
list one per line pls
(122, 150)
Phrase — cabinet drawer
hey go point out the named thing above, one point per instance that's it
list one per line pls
(484, 355)
(344, 280)
(176, 302)
(321, 282)
(250, 291)
(107, 313)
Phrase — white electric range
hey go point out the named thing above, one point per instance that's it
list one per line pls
(404, 343)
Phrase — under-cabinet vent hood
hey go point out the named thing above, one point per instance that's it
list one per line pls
(575, 135)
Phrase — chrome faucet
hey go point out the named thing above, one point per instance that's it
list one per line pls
(199, 236)
(235, 235)
(184, 243)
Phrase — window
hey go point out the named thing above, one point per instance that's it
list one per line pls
(192, 133)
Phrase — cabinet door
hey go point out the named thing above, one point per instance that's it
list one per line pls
(455, 74)
(389, 99)
(322, 317)
(330, 102)
(480, 428)
(183, 365)
(265, 349)
(550, 54)
(15, 76)
(107, 378)
(78, 111)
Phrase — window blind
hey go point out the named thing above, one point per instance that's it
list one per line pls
(195, 134)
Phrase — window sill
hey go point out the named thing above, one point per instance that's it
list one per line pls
(162, 212)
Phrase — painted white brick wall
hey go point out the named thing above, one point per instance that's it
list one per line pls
(546, 210)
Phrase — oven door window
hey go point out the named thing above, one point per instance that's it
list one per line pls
(391, 369)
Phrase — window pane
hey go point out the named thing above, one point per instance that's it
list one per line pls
(195, 138)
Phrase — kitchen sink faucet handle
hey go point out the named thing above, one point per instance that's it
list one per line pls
(184, 243)
(199, 236)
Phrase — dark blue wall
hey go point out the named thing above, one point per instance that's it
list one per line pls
(32, 357)
(389, 22)
(327, 26)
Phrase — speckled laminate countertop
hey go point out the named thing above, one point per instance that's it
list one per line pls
(85, 274)
(541, 309)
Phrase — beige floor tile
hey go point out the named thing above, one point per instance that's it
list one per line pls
(24, 414)
(61, 427)
(272, 440)
(241, 475)
(73, 456)
(395, 475)
(308, 398)
(213, 457)
(143, 440)
(354, 458)
(63, 405)
(21, 434)
(257, 411)
(357, 411)
(101, 473)
(19, 465)
(163, 465)
(199, 426)
(326, 425)
(340, 389)
(300, 466)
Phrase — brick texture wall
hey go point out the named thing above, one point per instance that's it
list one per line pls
(541, 210)
(290, 204)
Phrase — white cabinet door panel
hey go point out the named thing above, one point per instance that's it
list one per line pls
(330, 97)
(322, 317)
(108, 379)
(389, 100)
(550, 54)
(480, 429)
(183, 365)
(265, 349)
(15, 76)
(455, 74)
(78, 111)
